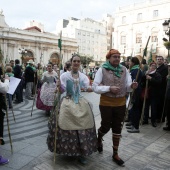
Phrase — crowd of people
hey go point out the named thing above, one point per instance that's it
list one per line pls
(72, 130)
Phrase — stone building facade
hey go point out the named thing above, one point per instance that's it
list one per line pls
(40, 46)
(135, 23)
(93, 37)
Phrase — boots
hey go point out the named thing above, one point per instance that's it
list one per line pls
(99, 141)
(116, 139)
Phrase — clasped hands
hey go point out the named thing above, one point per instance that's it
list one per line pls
(116, 90)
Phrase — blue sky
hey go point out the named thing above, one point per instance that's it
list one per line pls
(48, 12)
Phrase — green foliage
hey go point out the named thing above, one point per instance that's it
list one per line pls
(86, 60)
(167, 44)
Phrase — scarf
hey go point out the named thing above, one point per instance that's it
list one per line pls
(117, 70)
(31, 67)
(134, 67)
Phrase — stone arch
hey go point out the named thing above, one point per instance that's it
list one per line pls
(29, 55)
(54, 58)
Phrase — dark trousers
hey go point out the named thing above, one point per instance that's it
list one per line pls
(167, 111)
(160, 105)
(2, 114)
(135, 113)
(19, 92)
(9, 96)
(153, 102)
(112, 117)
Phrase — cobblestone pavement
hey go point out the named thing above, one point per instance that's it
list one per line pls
(148, 150)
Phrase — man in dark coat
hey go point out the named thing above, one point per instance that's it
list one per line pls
(163, 71)
(29, 79)
(18, 74)
(167, 104)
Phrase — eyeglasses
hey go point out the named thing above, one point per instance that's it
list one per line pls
(116, 56)
(78, 61)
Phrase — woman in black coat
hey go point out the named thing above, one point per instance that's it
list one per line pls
(154, 80)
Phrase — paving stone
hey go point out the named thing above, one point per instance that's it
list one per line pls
(156, 147)
(4, 167)
(34, 150)
(17, 146)
(17, 161)
(159, 164)
(164, 156)
(148, 150)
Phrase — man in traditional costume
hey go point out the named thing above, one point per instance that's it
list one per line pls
(112, 81)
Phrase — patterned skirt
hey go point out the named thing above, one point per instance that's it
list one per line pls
(71, 142)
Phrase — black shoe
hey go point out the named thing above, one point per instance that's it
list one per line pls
(120, 162)
(129, 124)
(48, 113)
(154, 124)
(2, 142)
(126, 120)
(17, 102)
(145, 123)
(166, 128)
(158, 120)
(100, 148)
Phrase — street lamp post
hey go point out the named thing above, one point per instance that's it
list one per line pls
(22, 51)
(166, 28)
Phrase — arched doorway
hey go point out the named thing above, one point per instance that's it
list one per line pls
(54, 59)
(28, 56)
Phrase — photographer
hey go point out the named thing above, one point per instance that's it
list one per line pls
(3, 89)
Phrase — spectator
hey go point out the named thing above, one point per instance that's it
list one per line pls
(18, 74)
(29, 79)
(134, 112)
(9, 74)
(167, 100)
(3, 89)
(163, 71)
(154, 80)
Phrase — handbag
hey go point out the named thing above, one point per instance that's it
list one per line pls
(74, 116)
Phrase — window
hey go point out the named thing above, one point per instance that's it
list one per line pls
(139, 38)
(155, 13)
(139, 17)
(124, 20)
(154, 38)
(123, 40)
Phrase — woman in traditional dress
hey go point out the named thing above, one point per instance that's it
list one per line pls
(45, 100)
(76, 134)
